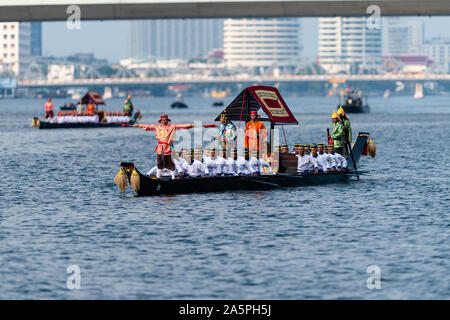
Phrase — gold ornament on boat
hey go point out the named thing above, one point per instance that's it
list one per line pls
(121, 180)
(371, 148)
(135, 181)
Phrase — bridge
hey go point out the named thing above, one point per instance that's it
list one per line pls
(52, 10)
(193, 79)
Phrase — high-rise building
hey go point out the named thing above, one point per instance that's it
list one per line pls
(36, 39)
(438, 50)
(347, 45)
(175, 39)
(14, 47)
(262, 42)
(403, 36)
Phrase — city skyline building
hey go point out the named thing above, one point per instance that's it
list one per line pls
(438, 50)
(346, 45)
(262, 42)
(403, 36)
(14, 47)
(175, 38)
(36, 39)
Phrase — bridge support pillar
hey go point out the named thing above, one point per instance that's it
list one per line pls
(418, 93)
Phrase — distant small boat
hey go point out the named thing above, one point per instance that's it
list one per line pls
(68, 107)
(217, 103)
(387, 94)
(179, 104)
(355, 105)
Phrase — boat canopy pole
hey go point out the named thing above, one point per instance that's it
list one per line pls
(240, 119)
(284, 135)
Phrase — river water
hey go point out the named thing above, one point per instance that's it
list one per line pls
(60, 207)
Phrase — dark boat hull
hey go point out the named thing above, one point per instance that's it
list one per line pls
(151, 186)
(178, 105)
(49, 125)
(348, 108)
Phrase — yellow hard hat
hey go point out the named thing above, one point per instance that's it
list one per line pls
(341, 111)
(334, 115)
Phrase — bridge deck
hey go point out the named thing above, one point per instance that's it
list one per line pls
(37, 10)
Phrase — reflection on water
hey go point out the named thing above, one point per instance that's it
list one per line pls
(60, 207)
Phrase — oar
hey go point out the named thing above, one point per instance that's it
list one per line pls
(132, 125)
(350, 149)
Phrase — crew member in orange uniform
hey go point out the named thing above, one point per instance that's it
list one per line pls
(255, 132)
(49, 109)
(90, 108)
(165, 134)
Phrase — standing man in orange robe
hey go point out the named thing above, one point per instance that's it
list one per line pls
(90, 108)
(165, 134)
(49, 109)
(255, 132)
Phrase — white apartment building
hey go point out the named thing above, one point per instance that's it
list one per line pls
(403, 36)
(263, 43)
(14, 47)
(438, 50)
(346, 45)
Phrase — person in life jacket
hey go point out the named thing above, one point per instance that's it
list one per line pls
(128, 107)
(49, 109)
(90, 108)
(337, 134)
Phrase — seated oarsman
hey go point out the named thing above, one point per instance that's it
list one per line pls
(296, 146)
(321, 164)
(341, 162)
(329, 158)
(307, 149)
(220, 160)
(206, 153)
(195, 168)
(243, 167)
(305, 162)
(188, 157)
(258, 165)
(284, 148)
(178, 161)
(230, 168)
(321, 154)
(214, 163)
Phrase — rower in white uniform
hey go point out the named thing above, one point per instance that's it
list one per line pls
(214, 163)
(321, 163)
(341, 162)
(230, 168)
(258, 165)
(331, 163)
(243, 167)
(305, 163)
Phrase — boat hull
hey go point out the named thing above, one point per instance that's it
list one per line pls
(150, 186)
(356, 109)
(49, 125)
